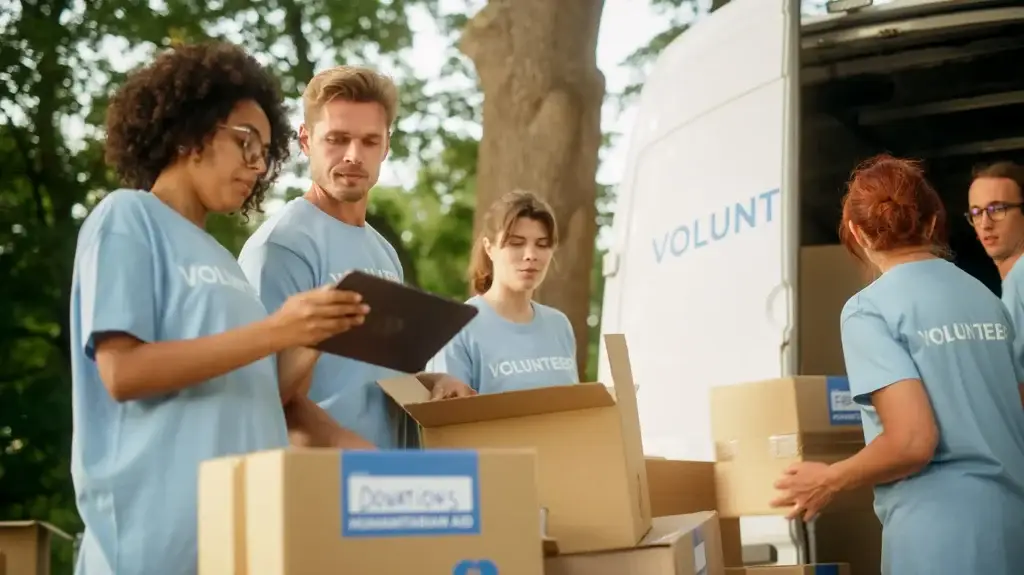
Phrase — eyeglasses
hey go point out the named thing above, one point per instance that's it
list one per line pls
(250, 144)
(996, 211)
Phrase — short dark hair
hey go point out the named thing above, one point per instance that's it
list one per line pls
(1003, 170)
(178, 100)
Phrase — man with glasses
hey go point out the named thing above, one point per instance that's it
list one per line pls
(996, 210)
(997, 213)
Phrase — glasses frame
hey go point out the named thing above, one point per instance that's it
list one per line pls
(251, 158)
(992, 210)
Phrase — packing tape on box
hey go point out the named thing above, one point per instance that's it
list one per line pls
(808, 444)
(726, 450)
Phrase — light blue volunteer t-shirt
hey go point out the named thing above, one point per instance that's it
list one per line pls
(964, 513)
(143, 269)
(301, 248)
(1013, 299)
(493, 354)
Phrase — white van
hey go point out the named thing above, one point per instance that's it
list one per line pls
(748, 126)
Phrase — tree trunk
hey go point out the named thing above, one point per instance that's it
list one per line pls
(537, 64)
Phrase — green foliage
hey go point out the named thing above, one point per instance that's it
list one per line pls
(58, 61)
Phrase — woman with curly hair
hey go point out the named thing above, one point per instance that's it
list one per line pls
(174, 358)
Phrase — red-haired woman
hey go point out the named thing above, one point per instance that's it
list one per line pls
(929, 356)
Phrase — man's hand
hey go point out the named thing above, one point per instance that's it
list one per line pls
(447, 387)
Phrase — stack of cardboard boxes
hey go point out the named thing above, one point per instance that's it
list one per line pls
(549, 480)
(529, 482)
(761, 428)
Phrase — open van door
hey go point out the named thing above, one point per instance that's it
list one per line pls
(701, 270)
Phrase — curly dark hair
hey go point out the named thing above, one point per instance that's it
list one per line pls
(177, 102)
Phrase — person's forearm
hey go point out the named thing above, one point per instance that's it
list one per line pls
(157, 368)
(295, 371)
(310, 426)
(883, 460)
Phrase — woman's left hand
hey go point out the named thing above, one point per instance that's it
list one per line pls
(807, 488)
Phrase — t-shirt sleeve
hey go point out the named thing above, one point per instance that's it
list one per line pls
(116, 289)
(1013, 300)
(277, 273)
(455, 361)
(875, 358)
(570, 337)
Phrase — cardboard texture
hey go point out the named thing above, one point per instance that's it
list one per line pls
(761, 428)
(26, 546)
(828, 277)
(575, 429)
(323, 512)
(676, 545)
(221, 514)
(681, 487)
(816, 569)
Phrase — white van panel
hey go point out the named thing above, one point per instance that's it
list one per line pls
(697, 279)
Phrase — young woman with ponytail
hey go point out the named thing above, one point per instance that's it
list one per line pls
(514, 342)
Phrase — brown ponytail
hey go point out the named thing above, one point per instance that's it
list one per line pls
(498, 222)
(481, 269)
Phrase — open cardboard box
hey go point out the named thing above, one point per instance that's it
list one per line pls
(590, 461)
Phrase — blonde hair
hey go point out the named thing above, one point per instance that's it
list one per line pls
(498, 223)
(352, 84)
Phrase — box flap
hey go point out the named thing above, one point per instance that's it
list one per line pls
(666, 531)
(622, 372)
(32, 523)
(493, 406)
(405, 390)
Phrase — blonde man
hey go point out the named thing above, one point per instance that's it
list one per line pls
(313, 240)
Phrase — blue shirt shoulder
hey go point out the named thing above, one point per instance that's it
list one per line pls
(144, 270)
(493, 354)
(932, 322)
(300, 248)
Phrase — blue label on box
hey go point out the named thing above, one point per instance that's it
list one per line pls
(477, 567)
(404, 493)
(700, 553)
(829, 569)
(841, 408)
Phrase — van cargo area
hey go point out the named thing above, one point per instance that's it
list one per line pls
(941, 82)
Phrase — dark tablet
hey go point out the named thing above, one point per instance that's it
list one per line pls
(405, 328)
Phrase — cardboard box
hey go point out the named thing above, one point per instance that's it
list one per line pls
(676, 545)
(680, 487)
(3, 563)
(762, 428)
(322, 512)
(221, 514)
(590, 462)
(26, 546)
(816, 569)
(829, 276)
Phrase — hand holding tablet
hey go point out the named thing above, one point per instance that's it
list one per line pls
(404, 328)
